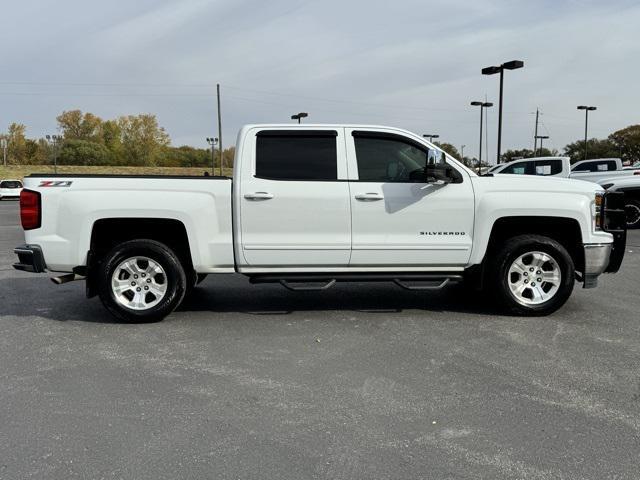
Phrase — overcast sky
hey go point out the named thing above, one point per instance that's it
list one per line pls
(408, 63)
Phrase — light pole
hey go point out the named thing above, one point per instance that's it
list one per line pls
(482, 106)
(541, 138)
(512, 65)
(55, 141)
(586, 124)
(3, 144)
(430, 136)
(462, 153)
(299, 116)
(213, 141)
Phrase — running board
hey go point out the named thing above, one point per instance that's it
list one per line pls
(409, 281)
(70, 277)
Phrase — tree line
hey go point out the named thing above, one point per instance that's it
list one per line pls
(623, 144)
(86, 139)
(138, 140)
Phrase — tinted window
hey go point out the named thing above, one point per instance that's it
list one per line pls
(9, 184)
(388, 159)
(296, 155)
(605, 166)
(548, 167)
(520, 168)
(584, 167)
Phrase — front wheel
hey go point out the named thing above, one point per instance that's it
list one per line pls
(141, 281)
(533, 275)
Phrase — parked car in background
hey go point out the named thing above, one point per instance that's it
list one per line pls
(630, 185)
(633, 166)
(545, 166)
(596, 169)
(592, 170)
(10, 189)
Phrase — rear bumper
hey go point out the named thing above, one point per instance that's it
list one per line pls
(30, 259)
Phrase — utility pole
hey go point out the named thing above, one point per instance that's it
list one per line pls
(219, 128)
(462, 153)
(535, 135)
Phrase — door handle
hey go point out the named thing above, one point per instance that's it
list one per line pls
(259, 196)
(369, 197)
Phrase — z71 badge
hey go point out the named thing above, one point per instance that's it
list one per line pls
(51, 183)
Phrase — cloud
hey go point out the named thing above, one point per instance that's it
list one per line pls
(409, 63)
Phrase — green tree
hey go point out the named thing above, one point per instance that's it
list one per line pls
(76, 125)
(142, 139)
(627, 142)
(16, 144)
(596, 148)
(450, 149)
(83, 152)
(510, 155)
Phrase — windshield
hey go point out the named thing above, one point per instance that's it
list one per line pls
(10, 184)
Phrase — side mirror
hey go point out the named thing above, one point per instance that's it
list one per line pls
(439, 173)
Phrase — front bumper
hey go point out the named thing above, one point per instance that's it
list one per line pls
(30, 259)
(596, 261)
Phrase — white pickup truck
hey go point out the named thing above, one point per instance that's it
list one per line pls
(313, 205)
(592, 170)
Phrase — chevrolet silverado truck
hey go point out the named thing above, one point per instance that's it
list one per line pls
(312, 205)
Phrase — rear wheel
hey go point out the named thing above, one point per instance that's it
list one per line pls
(533, 275)
(632, 211)
(141, 281)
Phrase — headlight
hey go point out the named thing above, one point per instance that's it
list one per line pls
(597, 211)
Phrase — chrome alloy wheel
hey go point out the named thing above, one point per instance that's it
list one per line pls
(534, 278)
(139, 283)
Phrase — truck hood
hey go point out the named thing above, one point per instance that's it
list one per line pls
(532, 183)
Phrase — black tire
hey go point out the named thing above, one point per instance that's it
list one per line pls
(632, 209)
(500, 279)
(173, 277)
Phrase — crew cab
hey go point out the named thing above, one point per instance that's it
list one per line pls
(630, 186)
(312, 205)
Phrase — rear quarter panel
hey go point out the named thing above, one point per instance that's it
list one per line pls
(69, 212)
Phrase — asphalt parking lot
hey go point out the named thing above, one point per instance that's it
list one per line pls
(360, 381)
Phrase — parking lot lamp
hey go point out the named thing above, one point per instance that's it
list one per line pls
(586, 109)
(482, 106)
(512, 65)
(299, 116)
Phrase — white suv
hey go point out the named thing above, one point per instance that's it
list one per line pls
(10, 189)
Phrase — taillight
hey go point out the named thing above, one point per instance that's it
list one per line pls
(30, 211)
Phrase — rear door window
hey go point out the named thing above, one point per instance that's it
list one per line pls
(548, 167)
(519, 168)
(297, 155)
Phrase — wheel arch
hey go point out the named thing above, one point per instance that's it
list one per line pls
(106, 233)
(564, 230)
